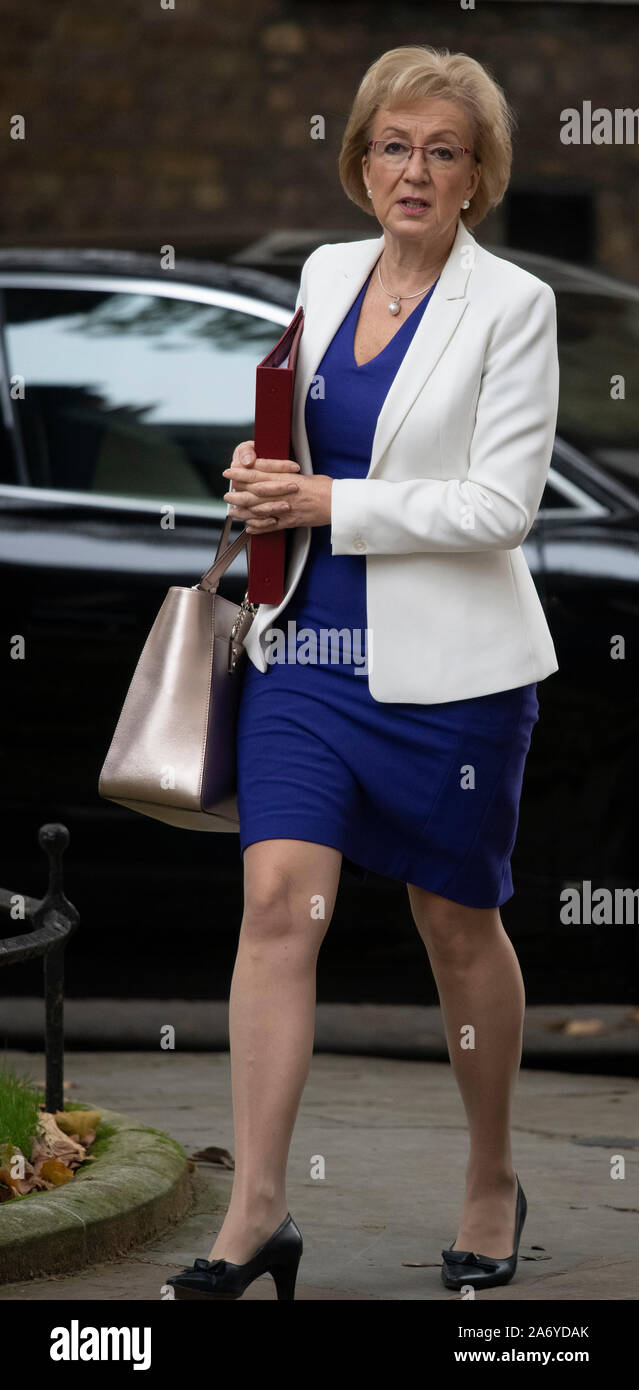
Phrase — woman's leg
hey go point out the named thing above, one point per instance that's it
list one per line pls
(480, 986)
(290, 887)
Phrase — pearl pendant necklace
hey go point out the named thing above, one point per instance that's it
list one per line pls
(394, 306)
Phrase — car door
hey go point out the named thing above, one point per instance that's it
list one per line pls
(586, 750)
(123, 402)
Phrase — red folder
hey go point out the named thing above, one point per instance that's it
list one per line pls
(275, 380)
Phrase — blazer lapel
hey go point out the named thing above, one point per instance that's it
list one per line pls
(431, 337)
(343, 283)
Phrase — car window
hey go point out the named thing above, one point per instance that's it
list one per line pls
(598, 340)
(553, 498)
(133, 394)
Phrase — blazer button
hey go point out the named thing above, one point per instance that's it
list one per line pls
(359, 544)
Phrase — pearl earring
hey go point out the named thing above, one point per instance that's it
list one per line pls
(466, 203)
(369, 192)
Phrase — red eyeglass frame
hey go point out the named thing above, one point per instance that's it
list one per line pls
(433, 144)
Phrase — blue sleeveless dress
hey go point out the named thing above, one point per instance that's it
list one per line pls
(424, 793)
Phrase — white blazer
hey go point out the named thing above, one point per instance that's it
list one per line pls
(460, 458)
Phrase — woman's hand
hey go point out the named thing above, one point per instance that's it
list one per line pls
(275, 495)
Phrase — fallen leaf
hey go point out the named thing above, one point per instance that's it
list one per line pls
(7, 1177)
(77, 1122)
(55, 1171)
(57, 1144)
(578, 1027)
(212, 1155)
(31, 1182)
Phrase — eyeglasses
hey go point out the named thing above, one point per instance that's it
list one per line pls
(394, 153)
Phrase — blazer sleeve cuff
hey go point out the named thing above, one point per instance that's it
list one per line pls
(352, 525)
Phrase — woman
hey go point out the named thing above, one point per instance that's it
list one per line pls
(424, 416)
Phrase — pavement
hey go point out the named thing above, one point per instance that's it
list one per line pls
(391, 1135)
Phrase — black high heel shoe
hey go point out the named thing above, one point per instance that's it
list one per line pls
(279, 1256)
(463, 1267)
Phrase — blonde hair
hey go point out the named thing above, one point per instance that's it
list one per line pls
(402, 77)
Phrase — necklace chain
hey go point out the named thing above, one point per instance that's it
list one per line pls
(394, 305)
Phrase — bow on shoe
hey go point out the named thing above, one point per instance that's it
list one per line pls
(212, 1266)
(467, 1257)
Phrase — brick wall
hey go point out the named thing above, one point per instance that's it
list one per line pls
(191, 125)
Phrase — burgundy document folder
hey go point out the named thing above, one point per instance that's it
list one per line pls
(275, 379)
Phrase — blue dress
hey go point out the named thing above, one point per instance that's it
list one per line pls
(425, 793)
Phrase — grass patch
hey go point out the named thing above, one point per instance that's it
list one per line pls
(19, 1102)
(103, 1136)
(21, 1099)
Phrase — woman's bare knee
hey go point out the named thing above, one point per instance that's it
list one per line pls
(450, 929)
(289, 890)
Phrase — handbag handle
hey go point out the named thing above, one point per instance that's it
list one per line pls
(223, 556)
(246, 611)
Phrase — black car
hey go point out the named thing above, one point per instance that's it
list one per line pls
(125, 389)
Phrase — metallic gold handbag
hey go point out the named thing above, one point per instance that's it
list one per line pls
(173, 753)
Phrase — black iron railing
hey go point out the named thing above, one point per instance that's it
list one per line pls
(52, 919)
